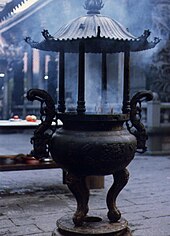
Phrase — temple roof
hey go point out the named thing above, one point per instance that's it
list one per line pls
(8, 6)
(20, 13)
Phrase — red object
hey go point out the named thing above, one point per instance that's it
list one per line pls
(31, 118)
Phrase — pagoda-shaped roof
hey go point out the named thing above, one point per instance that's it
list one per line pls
(88, 26)
(99, 34)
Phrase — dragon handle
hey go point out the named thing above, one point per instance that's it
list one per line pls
(44, 131)
(134, 125)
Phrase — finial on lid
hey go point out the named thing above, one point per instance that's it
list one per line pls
(93, 6)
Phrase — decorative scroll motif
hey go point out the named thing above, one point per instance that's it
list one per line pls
(43, 133)
(146, 34)
(135, 126)
(31, 42)
(47, 35)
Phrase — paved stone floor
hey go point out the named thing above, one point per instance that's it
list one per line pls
(32, 201)
(15, 143)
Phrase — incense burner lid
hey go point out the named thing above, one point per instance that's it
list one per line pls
(99, 34)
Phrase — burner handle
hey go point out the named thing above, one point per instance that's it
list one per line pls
(134, 125)
(45, 130)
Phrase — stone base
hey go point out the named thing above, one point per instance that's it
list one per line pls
(92, 226)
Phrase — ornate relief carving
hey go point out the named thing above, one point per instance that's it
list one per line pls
(91, 158)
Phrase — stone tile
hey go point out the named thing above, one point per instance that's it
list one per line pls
(20, 231)
(150, 231)
(43, 234)
(146, 225)
(35, 207)
(6, 223)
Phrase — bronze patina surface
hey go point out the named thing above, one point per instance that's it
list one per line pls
(92, 144)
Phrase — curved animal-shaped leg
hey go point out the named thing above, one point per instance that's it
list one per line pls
(120, 180)
(78, 187)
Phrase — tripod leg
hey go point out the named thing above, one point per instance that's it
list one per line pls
(120, 180)
(77, 186)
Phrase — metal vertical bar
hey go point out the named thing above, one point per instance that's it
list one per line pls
(104, 78)
(81, 80)
(126, 86)
(61, 102)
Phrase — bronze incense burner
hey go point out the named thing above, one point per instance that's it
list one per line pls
(89, 143)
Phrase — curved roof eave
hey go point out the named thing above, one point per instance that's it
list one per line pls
(93, 44)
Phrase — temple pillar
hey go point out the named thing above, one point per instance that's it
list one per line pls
(29, 69)
(4, 89)
(52, 78)
(18, 86)
(41, 73)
